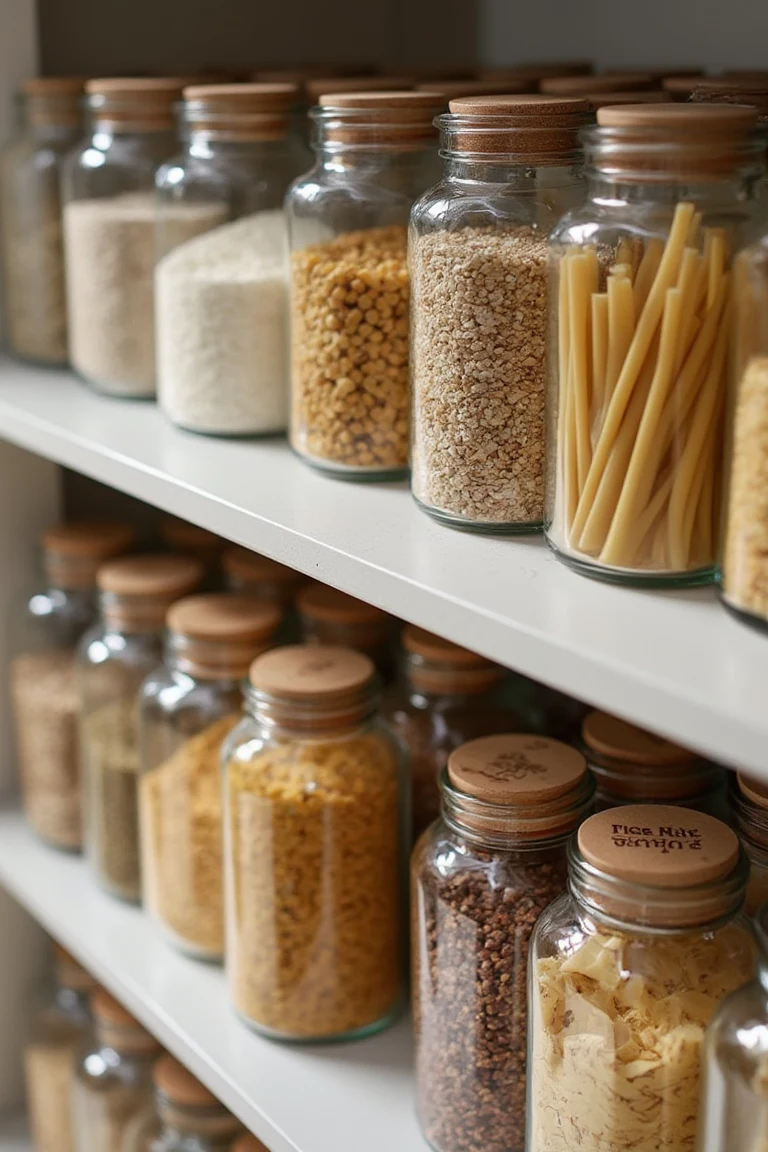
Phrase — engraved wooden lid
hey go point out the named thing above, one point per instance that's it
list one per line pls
(659, 846)
(609, 736)
(322, 602)
(150, 576)
(180, 1086)
(223, 616)
(311, 672)
(516, 769)
(253, 568)
(753, 789)
(72, 552)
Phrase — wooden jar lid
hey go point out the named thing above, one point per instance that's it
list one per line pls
(403, 119)
(609, 736)
(249, 1143)
(329, 605)
(239, 97)
(710, 119)
(659, 846)
(435, 648)
(590, 85)
(454, 89)
(540, 128)
(753, 790)
(107, 1010)
(681, 85)
(652, 96)
(516, 769)
(530, 105)
(150, 576)
(320, 86)
(183, 536)
(240, 111)
(253, 568)
(88, 539)
(65, 86)
(180, 1086)
(225, 617)
(140, 102)
(305, 672)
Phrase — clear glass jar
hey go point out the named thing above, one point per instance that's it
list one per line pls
(109, 231)
(222, 298)
(478, 264)
(113, 1081)
(185, 539)
(45, 633)
(262, 577)
(60, 1026)
(329, 616)
(640, 337)
(187, 708)
(743, 568)
(313, 832)
(113, 659)
(480, 877)
(186, 1116)
(446, 696)
(749, 812)
(626, 972)
(734, 1098)
(632, 766)
(32, 244)
(347, 226)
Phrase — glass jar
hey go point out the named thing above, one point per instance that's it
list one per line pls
(743, 567)
(222, 298)
(259, 576)
(187, 708)
(60, 1026)
(42, 674)
(109, 231)
(749, 811)
(113, 1082)
(446, 696)
(632, 766)
(478, 264)
(113, 659)
(480, 877)
(626, 972)
(186, 1116)
(640, 339)
(734, 1098)
(347, 226)
(312, 840)
(32, 247)
(187, 539)
(329, 616)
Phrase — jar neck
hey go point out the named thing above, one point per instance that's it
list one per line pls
(312, 719)
(136, 615)
(516, 174)
(429, 678)
(224, 661)
(213, 1126)
(131, 1042)
(204, 144)
(716, 194)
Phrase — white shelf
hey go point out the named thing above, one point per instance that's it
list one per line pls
(14, 1134)
(317, 1098)
(674, 661)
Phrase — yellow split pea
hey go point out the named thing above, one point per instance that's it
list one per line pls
(349, 317)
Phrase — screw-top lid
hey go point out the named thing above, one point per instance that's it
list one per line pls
(319, 86)
(322, 602)
(395, 119)
(138, 590)
(215, 636)
(310, 672)
(609, 736)
(652, 96)
(589, 85)
(261, 576)
(240, 111)
(143, 103)
(180, 1086)
(659, 846)
(541, 129)
(73, 551)
(517, 769)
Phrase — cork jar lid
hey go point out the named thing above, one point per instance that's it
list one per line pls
(243, 97)
(240, 111)
(658, 846)
(182, 535)
(225, 617)
(180, 1086)
(143, 103)
(150, 576)
(329, 605)
(753, 790)
(319, 86)
(613, 738)
(453, 89)
(253, 568)
(88, 539)
(714, 119)
(65, 86)
(516, 769)
(432, 647)
(588, 85)
(681, 85)
(397, 118)
(305, 672)
(652, 96)
(70, 973)
(248, 1143)
(107, 1010)
(539, 128)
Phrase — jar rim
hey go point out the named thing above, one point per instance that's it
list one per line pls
(671, 153)
(540, 139)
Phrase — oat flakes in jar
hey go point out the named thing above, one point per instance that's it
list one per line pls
(44, 700)
(626, 972)
(632, 766)
(749, 810)
(638, 358)
(187, 708)
(313, 835)
(347, 225)
(480, 877)
(478, 258)
(113, 660)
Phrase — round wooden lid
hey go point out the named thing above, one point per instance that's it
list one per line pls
(659, 846)
(652, 96)
(88, 539)
(532, 105)
(322, 85)
(65, 86)
(239, 98)
(150, 575)
(248, 1143)
(224, 617)
(681, 84)
(397, 103)
(605, 82)
(251, 567)
(180, 534)
(753, 789)
(306, 672)
(713, 119)
(147, 89)
(609, 736)
(516, 769)
(453, 89)
(107, 1010)
(321, 602)
(180, 1086)
(435, 648)
(733, 85)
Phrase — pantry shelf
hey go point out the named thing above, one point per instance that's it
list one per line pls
(673, 661)
(295, 1098)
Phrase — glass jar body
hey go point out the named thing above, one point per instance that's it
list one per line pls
(59, 1029)
(169, 1127)
(347, 226)
(600, 999)
(33, 247)
(184, 721)
(478, 266)
(734, 1108)
(637, 377)
(313, 834)
(112, 1088)
(111, 667)
(109, 242)
(473, 909)
(46, 631)
(743, 572)
(222, 298)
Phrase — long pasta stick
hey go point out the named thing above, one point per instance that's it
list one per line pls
(620, 535)
(566, 482)
(716, 262)
(624, 251)
(702, 548)
(646, 521)
(647, 272)
(701, 491)
(692, 240)
(579, 295)
(622, 270)
(599, 352)
(687, 282)
(621, 327)
(638, 349)
(707, 400)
